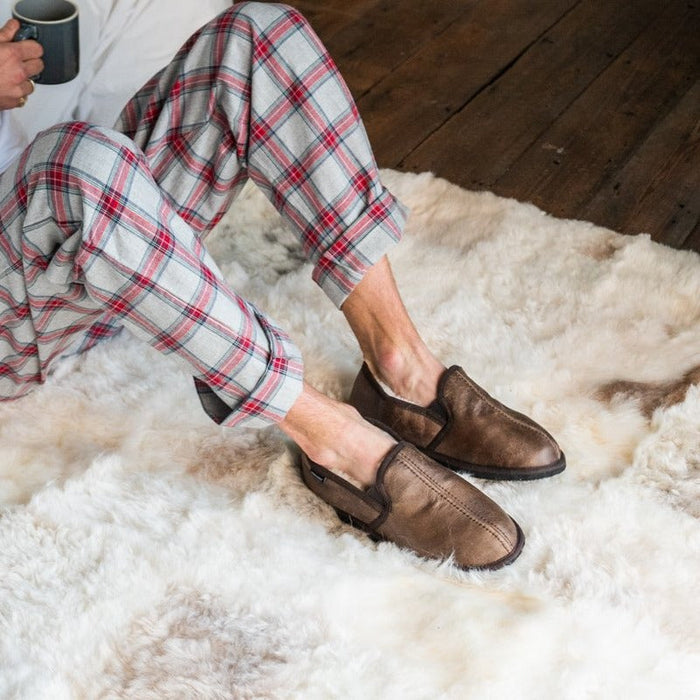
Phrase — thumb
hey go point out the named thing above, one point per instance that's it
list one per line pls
(8, 30)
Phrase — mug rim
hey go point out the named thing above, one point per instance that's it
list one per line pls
(18, 15)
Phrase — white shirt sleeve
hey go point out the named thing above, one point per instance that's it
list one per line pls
(13, 139)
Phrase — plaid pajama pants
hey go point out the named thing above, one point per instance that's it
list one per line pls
(103, 229)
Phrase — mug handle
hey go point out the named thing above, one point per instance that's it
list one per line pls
(26, 31)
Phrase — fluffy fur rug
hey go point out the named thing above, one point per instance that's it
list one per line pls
(147, 553)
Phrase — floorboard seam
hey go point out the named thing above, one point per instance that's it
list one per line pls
(494, 79)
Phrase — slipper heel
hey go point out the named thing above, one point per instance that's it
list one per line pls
(345, 497)
(358, 525)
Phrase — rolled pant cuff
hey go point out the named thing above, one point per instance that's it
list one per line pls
(343, 265)
(266, 405)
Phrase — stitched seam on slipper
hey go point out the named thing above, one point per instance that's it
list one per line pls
(507, 415)
(494, 529)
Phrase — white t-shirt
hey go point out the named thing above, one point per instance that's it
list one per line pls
(13, 139)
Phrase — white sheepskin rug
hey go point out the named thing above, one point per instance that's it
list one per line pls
(147, 553)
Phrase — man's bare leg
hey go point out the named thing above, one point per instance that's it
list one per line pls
(334, 434)
(389, 341)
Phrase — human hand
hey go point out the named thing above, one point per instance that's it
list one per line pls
(18, 62)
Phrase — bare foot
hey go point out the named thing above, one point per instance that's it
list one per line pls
(390, 343)
(412, 376)
(335, 436)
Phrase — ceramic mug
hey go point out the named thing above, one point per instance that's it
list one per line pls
(54, 24)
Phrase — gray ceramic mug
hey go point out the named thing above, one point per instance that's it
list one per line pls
(54, 24)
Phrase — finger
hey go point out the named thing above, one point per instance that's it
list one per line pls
(33, 67)
(8, 30)
(29, 49)
(16, 92)
(25, 90)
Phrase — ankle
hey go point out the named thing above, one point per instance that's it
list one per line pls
(335, 436)
(411, 374)
(361, 449)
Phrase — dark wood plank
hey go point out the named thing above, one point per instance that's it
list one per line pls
(692, 242)
(333, 16)
(427, 89)
(466, 87)
(372, 46)
(477, 146)
(602, 127)
(658, 190)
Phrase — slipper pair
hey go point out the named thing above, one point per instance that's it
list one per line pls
(418, 501)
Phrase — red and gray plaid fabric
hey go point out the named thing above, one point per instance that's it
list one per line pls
(102, 230)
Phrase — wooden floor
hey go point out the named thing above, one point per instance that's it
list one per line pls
(588, 108)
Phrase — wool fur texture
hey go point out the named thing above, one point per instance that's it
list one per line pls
(147, 553)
